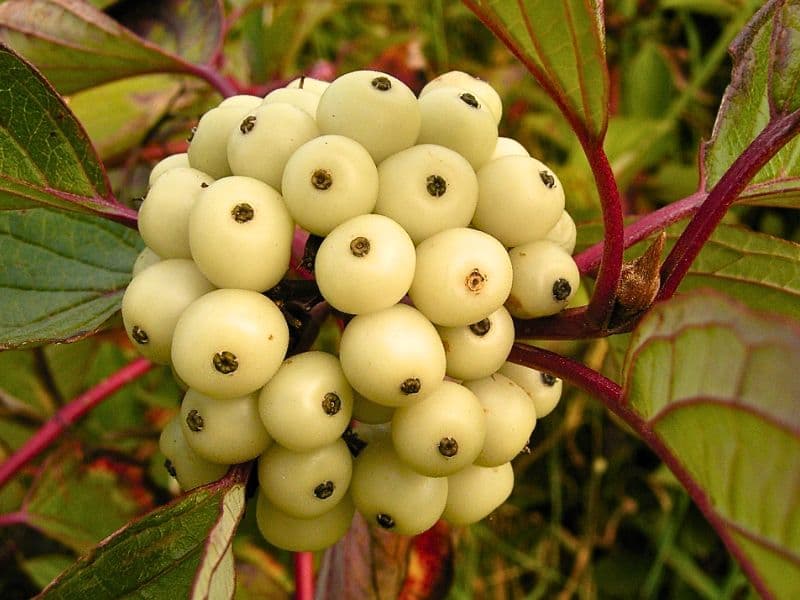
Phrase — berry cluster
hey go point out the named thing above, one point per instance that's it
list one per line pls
(429, 232)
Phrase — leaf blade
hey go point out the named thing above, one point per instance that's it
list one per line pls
(46, 157)
(575, 74)
(759, 90)
(159, 555)
(736, 442)
(77, 46)
(63, 274)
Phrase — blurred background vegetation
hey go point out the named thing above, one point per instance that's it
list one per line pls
(594, 514)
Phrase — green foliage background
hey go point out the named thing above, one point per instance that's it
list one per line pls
(594, 513)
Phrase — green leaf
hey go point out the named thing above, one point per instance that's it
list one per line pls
(70, 488)
(46, 567)
(781, 193)
(45, 155)
(180, 550)
(784, 72)
(718, 384)
(77, 46)
(191, 29)
(129, 109)
(563, 45)
(760, 270)
(757, 90)
(22, 392)
(62, 275)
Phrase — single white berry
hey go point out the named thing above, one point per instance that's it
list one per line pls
(519, 199)
(164, 213)
(154, 301)
(392, 495)
(377, 110)
(474, 492)
(300, 98)
(182, 462)
(308, 402)
(510, 418)
(303, 535)
(327, 181)
(393, 356)
(280, 127)
(462, 275)
(229, 343)
(564, 233)
(223, 431)
(305, 484)
(545, 279)
(442, 433)
(365, 264)
(240, 234)
(427, 188)
(479, 349)
(208, 147)
(480, 88)
(457, 119)
(543, 388)
(165, 164)
(247, 101)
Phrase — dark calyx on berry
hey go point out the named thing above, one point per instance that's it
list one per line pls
(382, 83)
(324, 490)
(359, 247)
(470, 100)
(481, 328)
(548, 379)
(412, 385)
(321, 179)
(331, 404)
(195, 421)
(436, 185)
(448, 447)
(248, 124)
(384, 520)
(242, 213)
(225, 362)
(561, 289)
(139, 335)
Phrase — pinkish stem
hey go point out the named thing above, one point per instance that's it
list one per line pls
(605, 290)
(589, 260)
(69, 414)
(303, 576)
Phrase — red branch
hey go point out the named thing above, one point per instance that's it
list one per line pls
(303, 576)
(69, 414)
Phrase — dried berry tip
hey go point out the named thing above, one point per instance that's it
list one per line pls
(384, 520)
(139, 335)
(331, 404)
(470, 100)
(481, 328)
(448, 447)
(225, 362)
(242, 213)
(411, 385)
(324, 490)
(561, 289)
(548, 379)
(436, 185)
(321, 179)
(359, 247)
(195, 421)
(382, 83)
(248, 124)
(547, 179)
(475, 281)
(170, 468)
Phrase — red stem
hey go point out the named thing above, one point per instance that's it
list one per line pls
(303, 576)
(589, 260)
(68, 415)
(605, 290)
(14, 518)
(612, 396)
(777, 133)
(214, 78)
